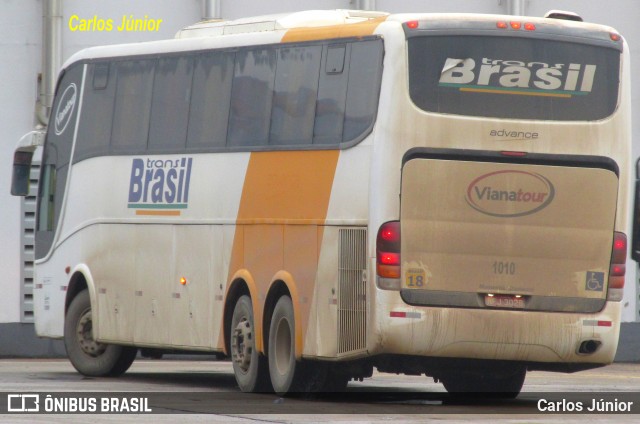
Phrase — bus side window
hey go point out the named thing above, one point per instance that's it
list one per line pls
(332, 96)
(132, 110)
(364, 87)
(251, 97)
(170, 104)
(94, 130)
(294, 97)
(210, 99)
(56, 157)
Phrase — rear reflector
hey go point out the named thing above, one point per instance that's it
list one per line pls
(596, 323)
(401, 314)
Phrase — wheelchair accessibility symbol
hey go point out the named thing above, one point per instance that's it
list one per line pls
(595, 281)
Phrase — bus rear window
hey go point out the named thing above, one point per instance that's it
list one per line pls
(519, 78)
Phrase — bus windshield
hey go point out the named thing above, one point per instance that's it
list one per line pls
(512, 77)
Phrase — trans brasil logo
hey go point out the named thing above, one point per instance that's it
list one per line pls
(497, 76)
(510, 194)
(160, 187)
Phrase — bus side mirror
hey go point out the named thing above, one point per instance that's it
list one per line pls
(635, 231)
(22, 162)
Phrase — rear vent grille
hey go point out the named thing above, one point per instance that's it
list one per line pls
(352, 294)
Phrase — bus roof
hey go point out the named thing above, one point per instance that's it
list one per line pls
(306, 19)
(298, 26)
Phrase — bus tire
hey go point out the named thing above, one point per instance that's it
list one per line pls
(287, 374)
(507, 386)
(89, 357)
(249, 367)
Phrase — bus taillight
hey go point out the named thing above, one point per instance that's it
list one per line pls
(388, 255)
(617, 269)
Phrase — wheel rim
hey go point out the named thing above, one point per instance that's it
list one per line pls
(241, 344)
(283, 346)
(84, 333)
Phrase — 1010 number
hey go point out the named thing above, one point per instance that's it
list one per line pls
(504, 268)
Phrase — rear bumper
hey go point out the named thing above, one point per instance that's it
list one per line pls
(530, 337)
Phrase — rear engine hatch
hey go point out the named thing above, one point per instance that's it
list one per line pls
(483, 231)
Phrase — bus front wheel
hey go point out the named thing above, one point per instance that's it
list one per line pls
(89, 357)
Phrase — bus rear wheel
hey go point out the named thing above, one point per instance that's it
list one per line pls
(287, 375)
(89, 357)
(249, 367)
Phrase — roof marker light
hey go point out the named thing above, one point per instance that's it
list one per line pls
(501, 25)
(614, 36)
(529, 26)
(515, 25)
(413, 24)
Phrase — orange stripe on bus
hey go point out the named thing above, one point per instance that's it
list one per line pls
(513, 92)
(157, 213)
(360, 29)
(281, 189)
(287, 186)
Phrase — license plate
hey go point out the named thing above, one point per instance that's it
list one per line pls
(504, 301)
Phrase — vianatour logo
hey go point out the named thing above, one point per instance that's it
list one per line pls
(510, 193)
(65, 109)
(160, 187)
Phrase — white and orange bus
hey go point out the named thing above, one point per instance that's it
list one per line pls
(321, 193)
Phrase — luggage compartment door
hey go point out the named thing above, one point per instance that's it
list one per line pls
(532, 235)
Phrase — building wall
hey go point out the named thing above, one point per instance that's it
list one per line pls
(20, 62)
(175, 15)
(234, 9)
